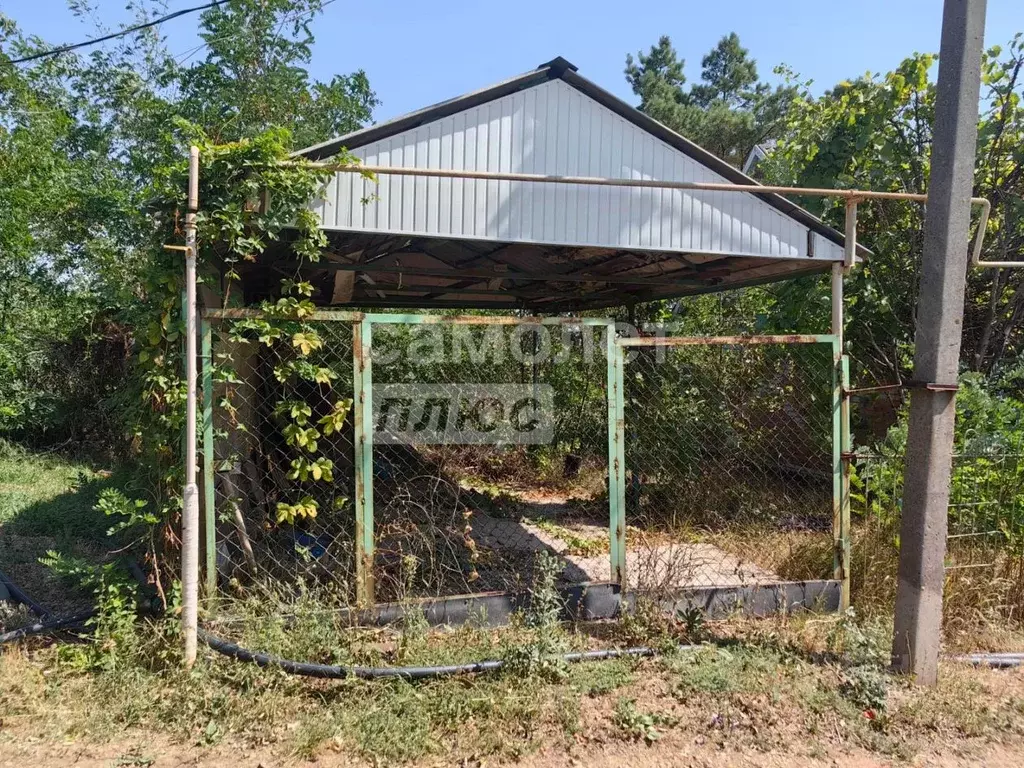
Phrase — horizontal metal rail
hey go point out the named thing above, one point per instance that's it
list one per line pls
(243, 314)
(413, 319)
(852, 196)
(688, 275)
(418, 319)
(694, 341)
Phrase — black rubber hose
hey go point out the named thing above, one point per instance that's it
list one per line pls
(18, 594)
(46, 626)
(994, 660)
(406, 673)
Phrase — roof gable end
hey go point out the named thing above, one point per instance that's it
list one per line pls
(564, 71)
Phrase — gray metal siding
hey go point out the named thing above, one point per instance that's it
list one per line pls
(554, 129)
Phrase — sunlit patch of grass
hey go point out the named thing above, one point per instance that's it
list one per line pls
(47, 494)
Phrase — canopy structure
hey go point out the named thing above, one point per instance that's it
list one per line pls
(417, 241)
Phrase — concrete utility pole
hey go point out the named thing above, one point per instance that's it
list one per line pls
(940, 303)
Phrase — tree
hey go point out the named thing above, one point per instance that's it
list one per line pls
(875, 133)
(727, 113)
(728, 74)
(254, 78)
(85, 140)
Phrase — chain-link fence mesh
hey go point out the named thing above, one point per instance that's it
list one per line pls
(283, 452)
(984, 548)
(467, 489)
(490, 444)
(729, 463)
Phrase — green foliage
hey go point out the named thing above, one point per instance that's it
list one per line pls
(92, 184)
(114, 634)
(863, 652)
(874, 132)
(727, 113)
(539, 651)
(127, 513)
(987, 473)
(638, 725)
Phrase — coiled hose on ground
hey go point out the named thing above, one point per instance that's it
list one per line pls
(332, 671)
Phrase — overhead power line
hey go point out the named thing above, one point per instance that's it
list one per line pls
(114, 35)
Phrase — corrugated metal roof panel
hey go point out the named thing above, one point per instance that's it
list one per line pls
(554, 129)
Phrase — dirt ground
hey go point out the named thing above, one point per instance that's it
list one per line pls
(713, 731)
(677, 748)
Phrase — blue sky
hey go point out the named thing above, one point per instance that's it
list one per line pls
(418, 53)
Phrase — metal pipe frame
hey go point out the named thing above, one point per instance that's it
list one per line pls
(842, 445)
(616, 457)
(696, 341)
(362, 372)
(362, 353)
(209, 487)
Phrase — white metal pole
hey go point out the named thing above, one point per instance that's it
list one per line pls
(190, 506)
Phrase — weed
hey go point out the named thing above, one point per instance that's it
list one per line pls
(863, 653)
(639, 725)
(577, 545)
(600, 679)
(714, 670)
(538, 650)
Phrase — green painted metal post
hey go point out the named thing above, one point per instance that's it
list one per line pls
(616, 459)
(839, 570)
(847, 461)
(362, 371)
(209, 491)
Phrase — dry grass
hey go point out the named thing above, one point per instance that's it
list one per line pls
(983, 607)
(777, 686)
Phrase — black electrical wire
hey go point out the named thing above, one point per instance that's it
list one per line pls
(113, 35)
(406, 673)
(1004, 660)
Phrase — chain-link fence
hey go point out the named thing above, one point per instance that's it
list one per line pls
(388, 457)
(730, 461)
(985, 529)
(282, 474)
(490, 445)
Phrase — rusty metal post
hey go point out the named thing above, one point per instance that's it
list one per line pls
(842, 442)
(209, 489)
(362, 409)
(846, 444)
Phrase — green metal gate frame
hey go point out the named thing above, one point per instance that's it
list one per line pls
(842, 442)
(615, 349)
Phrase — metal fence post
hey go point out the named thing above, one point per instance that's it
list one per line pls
(846, 447)
(616, 458)
(209, 490)
(839, 561)
(362, 387)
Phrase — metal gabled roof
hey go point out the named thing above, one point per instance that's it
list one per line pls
(563, 70)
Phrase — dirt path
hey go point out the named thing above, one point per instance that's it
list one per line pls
(147, 750)
(655, 562)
